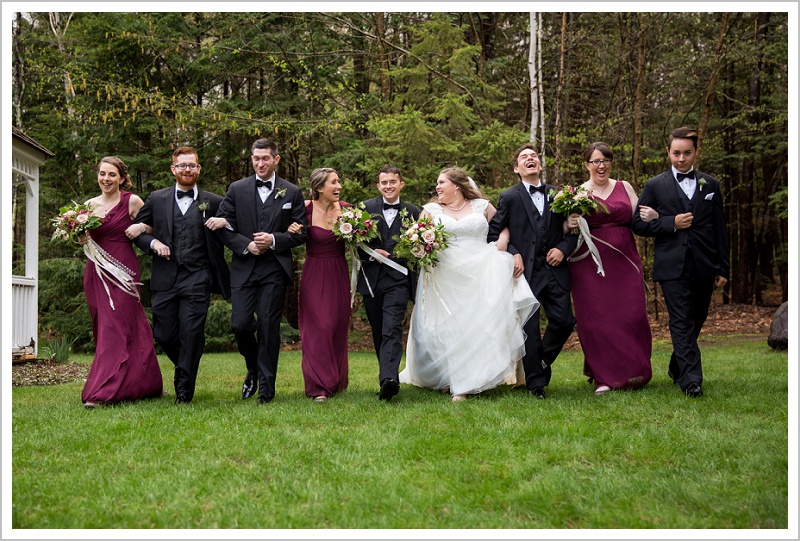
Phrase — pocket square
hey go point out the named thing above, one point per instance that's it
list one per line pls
(710, 196)
(287, 206)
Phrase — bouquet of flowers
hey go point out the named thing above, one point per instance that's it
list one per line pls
(421, 242)
(355, 225)
(73, 221)
(570, 199)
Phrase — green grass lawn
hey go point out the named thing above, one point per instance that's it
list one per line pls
(645, 459)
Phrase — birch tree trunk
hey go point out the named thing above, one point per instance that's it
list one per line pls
(638, 100)
(532, 72)
(59, 31)
(541, 91)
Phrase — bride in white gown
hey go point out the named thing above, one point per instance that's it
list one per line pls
(466, 328)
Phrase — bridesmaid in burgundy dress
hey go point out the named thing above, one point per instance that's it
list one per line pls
(324, 305)
(125, 366)
(611, 310)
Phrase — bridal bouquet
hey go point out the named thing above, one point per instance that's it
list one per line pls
(74, 221)
(355, 225)
(570, 199)
(421, 242)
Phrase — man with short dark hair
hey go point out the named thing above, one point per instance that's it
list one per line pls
(540, 242)
(385, 289)
(259, 209)
(188, 265)
(691, 250)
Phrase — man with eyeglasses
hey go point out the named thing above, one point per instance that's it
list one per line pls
(385, 289)
(691, 251)
(188, 265)
(259, 210)
(540, 242)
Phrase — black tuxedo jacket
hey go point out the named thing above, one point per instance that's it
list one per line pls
(516, 211)
(240, 209)
(386, 242)
(158, 212)
(707, 236)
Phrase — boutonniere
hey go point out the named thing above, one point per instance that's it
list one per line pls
(280, 193)
(701, 182)
(203, 206)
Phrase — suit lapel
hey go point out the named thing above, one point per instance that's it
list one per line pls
(170, 210)
(527, 204)
(546, 208)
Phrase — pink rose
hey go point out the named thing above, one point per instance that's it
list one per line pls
(418, 252)
(429, 236)
(345, 229)
(82, 218)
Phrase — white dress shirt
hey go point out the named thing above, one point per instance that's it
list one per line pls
(537, 197)
(390, 214)
(688, 185)
(184, 202)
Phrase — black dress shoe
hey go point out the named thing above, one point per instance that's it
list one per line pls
(264, 400)
(694, 391)
(672, 377)
(389, 388)
(181, 399)
(537, 392)
(250, 385)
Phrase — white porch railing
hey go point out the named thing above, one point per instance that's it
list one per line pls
(24, 292)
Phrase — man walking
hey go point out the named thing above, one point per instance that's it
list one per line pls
(691, 251)
(188, 265)
(540, 242)
(385, 289)
(259, 209)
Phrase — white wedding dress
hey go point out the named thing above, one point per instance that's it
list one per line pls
(466, 327)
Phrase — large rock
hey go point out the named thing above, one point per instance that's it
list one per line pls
(779, 328)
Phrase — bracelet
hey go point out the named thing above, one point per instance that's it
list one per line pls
(143, 228)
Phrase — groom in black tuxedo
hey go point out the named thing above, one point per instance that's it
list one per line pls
(259, 209)
(691, 251)
(385, 290)
(188, 265)
(540, 242)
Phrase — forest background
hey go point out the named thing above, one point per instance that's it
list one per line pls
(423, 91)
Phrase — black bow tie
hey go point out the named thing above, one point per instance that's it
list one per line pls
(539, 188)
(264, 183)
(395, 206)
(189, 194)
(682, 176)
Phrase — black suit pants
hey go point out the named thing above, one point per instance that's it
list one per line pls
(687, 299)
(386, 312)
(257, 307)
(541, 351)
(179, 319)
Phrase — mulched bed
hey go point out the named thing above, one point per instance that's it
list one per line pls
(46, 372)
(723, 319)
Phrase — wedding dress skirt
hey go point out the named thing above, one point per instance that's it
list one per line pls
(466, 326)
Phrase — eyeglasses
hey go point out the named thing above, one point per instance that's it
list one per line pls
(182, 166)
(597, 163)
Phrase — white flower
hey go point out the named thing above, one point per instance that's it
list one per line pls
(346, 228)
(428, 236)
(82, 218)
(414, 237)
(418, 251)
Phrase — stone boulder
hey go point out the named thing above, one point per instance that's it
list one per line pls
(779, 328)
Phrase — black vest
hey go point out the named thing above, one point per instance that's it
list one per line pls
(188, 239)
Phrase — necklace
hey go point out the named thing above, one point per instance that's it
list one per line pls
(603, 190)
(459, 208)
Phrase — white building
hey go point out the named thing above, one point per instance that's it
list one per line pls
(27, 156)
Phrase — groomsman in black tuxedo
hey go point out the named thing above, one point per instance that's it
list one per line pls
(188, 265)
(385, 290)
(691, 250)
(540, 242)
(259, 209)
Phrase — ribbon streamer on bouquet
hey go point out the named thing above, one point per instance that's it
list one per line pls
(587, 237)
(111, 269)
(357, 267)
(593, 249)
